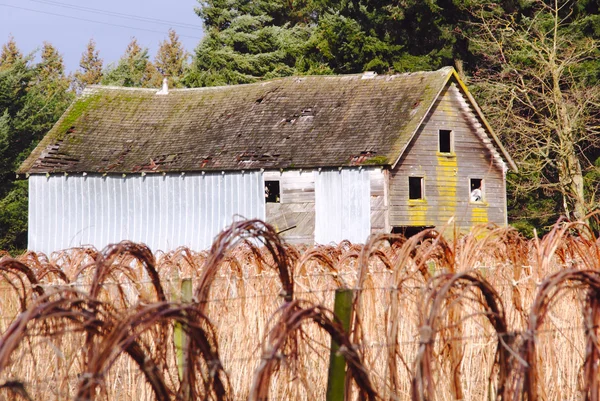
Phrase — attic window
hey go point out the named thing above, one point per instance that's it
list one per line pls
(415, 188)
(445, 141)
(272, 192)
(476, 190)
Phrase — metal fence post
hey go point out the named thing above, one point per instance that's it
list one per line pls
(336, 380)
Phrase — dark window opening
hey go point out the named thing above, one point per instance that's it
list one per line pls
(445, 141)
(272, 192)
(476, 188)
(409, 231)
(415, 187)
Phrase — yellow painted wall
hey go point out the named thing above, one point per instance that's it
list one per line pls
(446, 176)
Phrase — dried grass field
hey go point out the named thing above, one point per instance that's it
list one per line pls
(489, 315)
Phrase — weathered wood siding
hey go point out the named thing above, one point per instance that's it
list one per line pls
(295, 214)
(446, 177)
(379, 201)
(353, 203)
(343, 206)
(164, 212)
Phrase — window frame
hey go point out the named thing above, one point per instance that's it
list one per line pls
(450, 142)
(278, 194)
(482, 188)
(421, 187)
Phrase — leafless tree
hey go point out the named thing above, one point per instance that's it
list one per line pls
(536, 88)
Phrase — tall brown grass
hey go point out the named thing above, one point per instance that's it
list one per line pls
(488, 315)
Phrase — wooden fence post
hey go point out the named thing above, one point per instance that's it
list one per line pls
(336, 380)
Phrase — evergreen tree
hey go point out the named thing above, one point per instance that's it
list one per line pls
(10, 53)
(47, 96)
(134, 69)
(247, 40)
(32, 98)
(51, 66)
(171, 59)
(90, 67)
(391, 36)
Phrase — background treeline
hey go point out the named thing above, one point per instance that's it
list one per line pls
(533, 65)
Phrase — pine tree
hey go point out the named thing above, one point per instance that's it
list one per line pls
(390, 36)
(10, 53)
(171, 59)
(32, 98)
(247, 41)
(250, 40)
(51, 66)
(90, 67)
(134, 69)
(48, 94)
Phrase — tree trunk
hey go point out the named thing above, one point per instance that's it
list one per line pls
(570, 174)
(571, 182)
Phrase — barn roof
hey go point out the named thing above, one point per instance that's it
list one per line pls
(296, 122)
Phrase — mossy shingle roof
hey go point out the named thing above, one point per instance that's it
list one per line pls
(306, 122)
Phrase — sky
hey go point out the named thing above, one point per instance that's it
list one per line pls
(70, 24)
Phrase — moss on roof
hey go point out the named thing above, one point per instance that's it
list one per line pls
(300, 122)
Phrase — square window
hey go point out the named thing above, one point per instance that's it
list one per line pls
(476, 190)
(415, 187)
(445, 141)
(272, 192)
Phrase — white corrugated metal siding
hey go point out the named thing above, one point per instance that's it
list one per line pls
(342, 206)
(163, 212)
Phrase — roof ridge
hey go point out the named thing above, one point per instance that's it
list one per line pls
(116, 87)
(444, 70)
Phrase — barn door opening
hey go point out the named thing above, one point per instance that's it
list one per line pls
(409, 231)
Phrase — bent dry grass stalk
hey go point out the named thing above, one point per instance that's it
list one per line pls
(489, 315)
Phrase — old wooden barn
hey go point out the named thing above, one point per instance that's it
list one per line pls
(323, 158)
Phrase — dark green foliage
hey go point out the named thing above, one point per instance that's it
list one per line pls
(531, 210)
(247, 41)
(13, 217)
(390, 36)
(32, 98)
(592, 178)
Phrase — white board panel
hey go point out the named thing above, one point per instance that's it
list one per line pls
(164, 212)
(342, 206)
